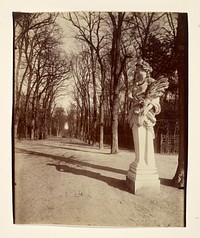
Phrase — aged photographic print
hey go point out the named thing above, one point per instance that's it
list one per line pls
(100, 117)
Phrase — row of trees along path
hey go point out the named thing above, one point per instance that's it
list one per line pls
(99, 72)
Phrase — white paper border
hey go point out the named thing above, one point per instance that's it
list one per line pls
(7, 229)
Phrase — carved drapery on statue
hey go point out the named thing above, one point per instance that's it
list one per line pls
(145, 100)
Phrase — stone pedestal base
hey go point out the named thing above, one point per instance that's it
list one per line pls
(142, 179)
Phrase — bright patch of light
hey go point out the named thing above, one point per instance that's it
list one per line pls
(66, 126)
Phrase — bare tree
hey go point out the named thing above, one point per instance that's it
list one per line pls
(89, 30)
(40, 68)
(24, 24)
(117, 66)
(81, 74)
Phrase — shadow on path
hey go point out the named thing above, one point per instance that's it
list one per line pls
(113, 182)
(75, 161)
(167, 182)
(67, 147)
(106, 146)
(72, 160)
(116, 183)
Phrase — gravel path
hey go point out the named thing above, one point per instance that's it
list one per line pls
(64, 181)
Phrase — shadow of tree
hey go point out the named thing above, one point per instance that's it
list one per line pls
(73, 160)
(113, 182)
(116, 183)
(106, 146)
(167, 182)
(68, 147)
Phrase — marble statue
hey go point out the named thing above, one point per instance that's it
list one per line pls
(144, 106)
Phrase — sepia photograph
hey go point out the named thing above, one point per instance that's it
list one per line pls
(100, 118)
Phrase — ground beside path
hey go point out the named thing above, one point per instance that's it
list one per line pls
(64, 181)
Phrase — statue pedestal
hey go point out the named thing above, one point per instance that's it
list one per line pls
(142, 176)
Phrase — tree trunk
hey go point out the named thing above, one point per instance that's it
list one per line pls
(94, 97)
(89, 116)
(116, 69)
(101, 123)
(182, 41)
(50, 130)
(32, 129)
(16, 122)
(57, 131)
(17, 93)
(114, 126)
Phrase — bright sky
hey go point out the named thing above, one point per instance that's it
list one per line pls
(69, 46)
